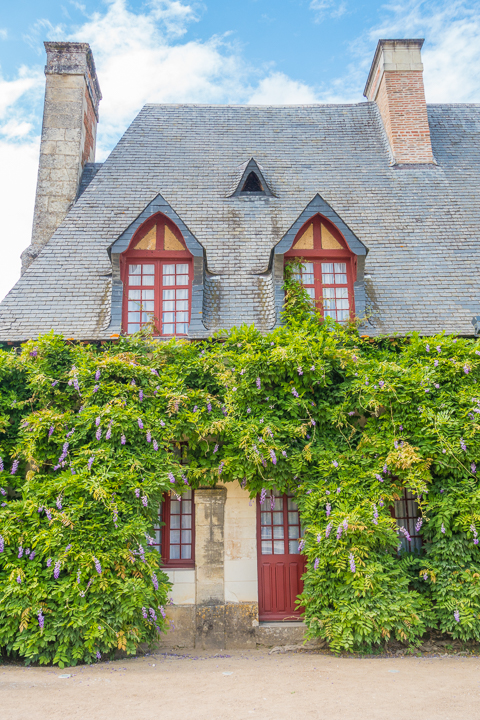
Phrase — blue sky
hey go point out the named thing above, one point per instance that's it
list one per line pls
(217, 51)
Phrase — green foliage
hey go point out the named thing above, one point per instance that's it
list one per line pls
(347, 422)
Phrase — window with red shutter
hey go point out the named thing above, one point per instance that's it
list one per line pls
(329, 267)
(157, 275)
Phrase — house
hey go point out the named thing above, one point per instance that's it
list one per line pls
(190, 221)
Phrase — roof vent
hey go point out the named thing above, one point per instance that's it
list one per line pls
(252, 184)
(249, 178)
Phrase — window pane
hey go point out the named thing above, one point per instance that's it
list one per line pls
(175, 521)
(148, 280)
(169, 279)
(181, 305)
(169, 269)
(310, 292)
(340, 268)
(182, 328)
(265, 518)
(293, 531)
(174, 536)
(148, 294)
(278, 518)
(182, 269)
(307, 279)
(266, 532)
(168, 329)
(341, 292)
(342, 304)
(134, 269)
(342, 315)
(341, 279)
(293, 518)
(132, 305)
(292, 505)
(327, 267)
(293, 547)
(186, 536)
(133, 317)
(278, 547)
(181, 280)
(186, 552)
(134, 294)
(134, 280)
(308, 267)
(181, 294)
(266, 547)
(168, 305)
(133, 328)
(168, 317)
(174, 552)
(174, 507)
(187, 504)
(147, 305)
(182, 316)
(278, 532)
(186, 521)
(169, 295)
(328, 279)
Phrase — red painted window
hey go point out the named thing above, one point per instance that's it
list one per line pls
(157, 275)
(405, 512)
(329, 270)
(175, 540)
(280, 565)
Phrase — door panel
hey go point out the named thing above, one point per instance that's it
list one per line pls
(280, 566)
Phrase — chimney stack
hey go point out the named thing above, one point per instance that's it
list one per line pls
(395, 83)
(70, 117)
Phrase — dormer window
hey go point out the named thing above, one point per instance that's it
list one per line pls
(157, 276)
(252, 183)
(328, 272)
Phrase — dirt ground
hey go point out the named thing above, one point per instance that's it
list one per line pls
(239, 685)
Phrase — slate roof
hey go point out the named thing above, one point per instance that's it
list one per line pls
(420, 224)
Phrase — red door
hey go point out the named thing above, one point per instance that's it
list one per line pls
(280, 565)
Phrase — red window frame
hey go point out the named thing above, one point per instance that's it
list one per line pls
(152, 308)
(163, 532)
(319, 255)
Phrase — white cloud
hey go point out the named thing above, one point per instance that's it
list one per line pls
(3, 34)
(451, 54)
(279, 89)
(12, 90)
(15, 129)
(327, 8)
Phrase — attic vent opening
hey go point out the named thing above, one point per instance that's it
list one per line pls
(252, 183)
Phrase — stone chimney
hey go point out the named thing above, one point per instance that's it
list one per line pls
(395, 83)
(70, 117)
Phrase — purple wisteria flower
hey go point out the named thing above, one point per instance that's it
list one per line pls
(19, 579)
(149, 436)
(406, 533)
(49, 562)
(56, 570)
(162, 423)
(155, 581)
(435, 362)
(133, 383)
(316, 564)
(284, 453)
(442, 529)
(41, 619)
(259, 383)
(475, 534)
(328, 529)
(300, 371)
(427, 347)
(155, 445)
(59, 502)
(418, 524)
(97, 375)
(301, 545)
(137, 492)
(34, 352)
(249, 410)
(209, 407)
(20, 552)
(294, 393)
(466, 369)
(140, 423)
(456, 615)
(313, 423)
(144, 613)
(98, 434)
(339, 532)
(328, 509)
(3, 491)
(98, 567)
(263, 495)
(220, 467)
(171, 477)
(55, 382)
(462, 445)
(335, 463)
(14, 467)
(2, 544)
(79, 574)
(379, 477)
(319, 537)
(375, 515)
(140, 395)
(473, 468)
(215, 449)
(154, 372)
(351, 560)
(123, 440)
(272, 502)
(381, 383)
(98, 655)
(97, 421)
(273, 457)
(144, 501)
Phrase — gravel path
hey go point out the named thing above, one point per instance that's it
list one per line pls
(238, 685)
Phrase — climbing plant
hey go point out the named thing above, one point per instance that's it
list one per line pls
(92, 436)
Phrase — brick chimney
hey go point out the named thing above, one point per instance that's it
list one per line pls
(395, 83)
(70, 117)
